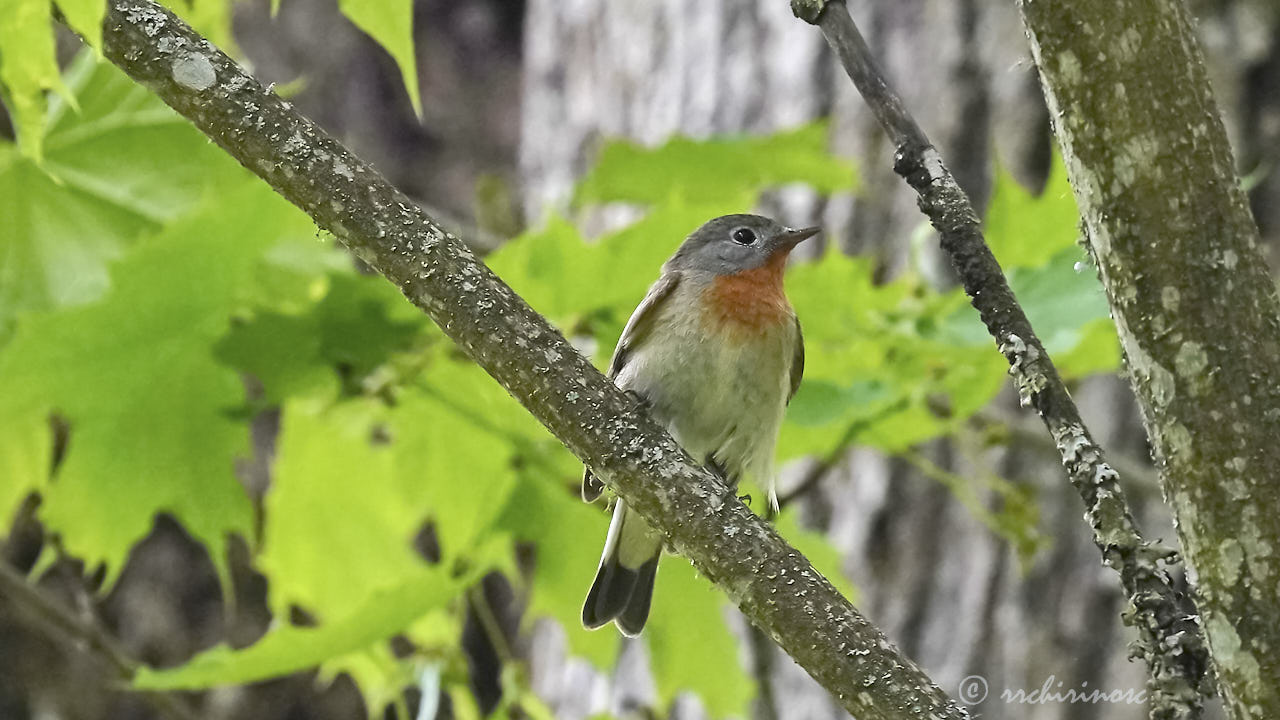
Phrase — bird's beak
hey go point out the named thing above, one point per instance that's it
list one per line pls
(792, 238)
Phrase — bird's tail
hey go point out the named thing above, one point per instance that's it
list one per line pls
(623, 588)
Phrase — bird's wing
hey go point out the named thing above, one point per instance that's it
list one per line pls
(638, 327)
(797, 362)
(641, 322)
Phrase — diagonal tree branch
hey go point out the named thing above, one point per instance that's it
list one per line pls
(1169, 638)
(772, 583)
(79, 635)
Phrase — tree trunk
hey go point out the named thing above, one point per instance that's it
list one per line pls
(1193, 301)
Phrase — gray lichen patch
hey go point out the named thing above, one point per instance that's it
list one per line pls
(1185, 516)
(1130, 44)
(1107, 513)
(1230, 656)
(1252, 549)
(1024, 368)
(1230, 561)
(1175, 442)
(1132, 158)
(1229, 259)
(149, 20)
(1190, 364)
(1160, 383)
(933, 165)
(194, 72)
(1069, 67)
(295, 144)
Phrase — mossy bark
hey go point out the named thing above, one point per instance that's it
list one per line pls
(1194, 304)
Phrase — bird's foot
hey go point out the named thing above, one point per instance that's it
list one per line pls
(640, 399)
(730, 483)
(718, 470)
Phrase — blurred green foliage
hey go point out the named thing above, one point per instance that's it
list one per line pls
(29, 67)
(108, 176)
(154, 298)
(390, 23)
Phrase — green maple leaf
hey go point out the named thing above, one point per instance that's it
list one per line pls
(114, 169)
(134, 377)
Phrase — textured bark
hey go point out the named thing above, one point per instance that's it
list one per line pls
(1195, 307)
(770, 582)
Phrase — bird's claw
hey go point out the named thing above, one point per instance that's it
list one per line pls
(717, 469)
(640, 399)
(730, 485)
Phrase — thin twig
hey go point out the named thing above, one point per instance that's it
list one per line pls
(1137, 473)
(75, 633)
(489, 622)
(1169, 638)
(962, 489)
(828, 462)
(766, 701)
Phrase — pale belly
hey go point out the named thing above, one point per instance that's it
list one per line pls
(722, 395)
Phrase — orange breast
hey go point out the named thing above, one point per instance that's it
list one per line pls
(750, 301)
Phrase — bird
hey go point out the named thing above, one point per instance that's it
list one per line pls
(715, 352)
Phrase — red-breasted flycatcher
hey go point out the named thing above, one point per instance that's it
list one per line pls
(715, 352)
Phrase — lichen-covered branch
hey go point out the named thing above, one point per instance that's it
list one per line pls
(1169, 639)
(1192, 299)
(772, 583)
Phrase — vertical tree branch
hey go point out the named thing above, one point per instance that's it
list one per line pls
(1168, 636)
(772, 583)
(1193, 301)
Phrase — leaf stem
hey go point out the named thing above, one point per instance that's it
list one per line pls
(489, 622)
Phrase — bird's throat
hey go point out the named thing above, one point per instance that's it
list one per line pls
(751, 300)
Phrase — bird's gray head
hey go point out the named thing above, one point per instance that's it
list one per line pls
(731, 244)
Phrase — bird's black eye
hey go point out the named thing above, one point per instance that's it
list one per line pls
(744, 236)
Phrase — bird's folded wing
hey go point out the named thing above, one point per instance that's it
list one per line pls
(642, 320)
(638, 328)
(797, 362)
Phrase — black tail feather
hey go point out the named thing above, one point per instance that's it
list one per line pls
(634, 615)
(609, 594)
(622, 595)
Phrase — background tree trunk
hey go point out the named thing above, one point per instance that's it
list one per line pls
(1195, 306)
